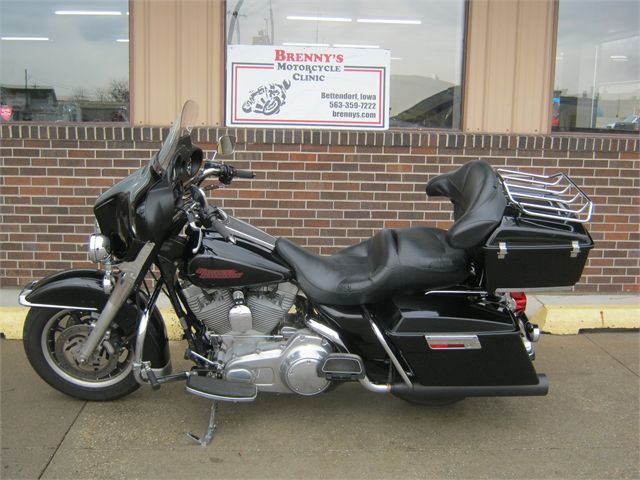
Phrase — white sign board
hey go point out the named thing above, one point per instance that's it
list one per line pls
(307, 87)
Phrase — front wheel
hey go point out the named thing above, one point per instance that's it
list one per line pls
(52, 339)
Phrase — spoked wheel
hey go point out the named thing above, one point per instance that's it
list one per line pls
(52, 340)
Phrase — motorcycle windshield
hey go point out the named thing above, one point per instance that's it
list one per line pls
(181, 127)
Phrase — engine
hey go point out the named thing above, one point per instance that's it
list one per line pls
(224, 310)
(258, 341)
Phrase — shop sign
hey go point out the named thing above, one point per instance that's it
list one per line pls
(307, 87)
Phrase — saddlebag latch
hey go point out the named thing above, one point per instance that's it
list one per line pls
(575, 251)
(502, 250)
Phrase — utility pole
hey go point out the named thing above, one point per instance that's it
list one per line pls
(26, 92)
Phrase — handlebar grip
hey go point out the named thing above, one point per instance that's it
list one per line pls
(244, 174)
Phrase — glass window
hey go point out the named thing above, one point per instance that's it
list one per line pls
(64, 60)
(425, 38)
(597, 83)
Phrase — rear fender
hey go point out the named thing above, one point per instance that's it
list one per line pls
(82, 290)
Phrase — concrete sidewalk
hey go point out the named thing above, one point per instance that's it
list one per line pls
(587, 427)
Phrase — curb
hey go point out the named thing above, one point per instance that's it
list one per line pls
(556, 319)
(570, 319)
(12, 322)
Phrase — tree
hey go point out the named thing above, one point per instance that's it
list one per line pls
(117, 91)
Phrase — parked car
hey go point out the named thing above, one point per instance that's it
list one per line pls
(632, 122)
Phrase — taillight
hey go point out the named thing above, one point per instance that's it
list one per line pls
(520, 298)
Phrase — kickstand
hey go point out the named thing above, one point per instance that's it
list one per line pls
(206, 440)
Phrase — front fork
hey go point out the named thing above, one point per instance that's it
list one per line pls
(129, 278)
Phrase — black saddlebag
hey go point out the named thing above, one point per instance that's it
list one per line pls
(457, 339)
(526, 253)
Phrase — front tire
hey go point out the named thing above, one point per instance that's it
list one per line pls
(52, 337)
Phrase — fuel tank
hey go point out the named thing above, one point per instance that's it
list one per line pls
(245, 263)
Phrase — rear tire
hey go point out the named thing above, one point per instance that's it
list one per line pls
(52, 337)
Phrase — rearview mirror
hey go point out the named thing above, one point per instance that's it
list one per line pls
(226, 145)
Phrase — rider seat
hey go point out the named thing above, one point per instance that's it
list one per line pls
(411, 259)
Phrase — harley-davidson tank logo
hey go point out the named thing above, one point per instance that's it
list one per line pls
(218, 274)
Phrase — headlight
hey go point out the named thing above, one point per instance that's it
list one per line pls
(99, 248)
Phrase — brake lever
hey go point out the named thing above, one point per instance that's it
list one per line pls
(211, 220)
(193, 226)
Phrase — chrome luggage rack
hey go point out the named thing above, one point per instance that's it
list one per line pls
(554, 197)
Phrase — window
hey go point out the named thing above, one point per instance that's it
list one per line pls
(425, 38)
(597, 83)
(64, 61)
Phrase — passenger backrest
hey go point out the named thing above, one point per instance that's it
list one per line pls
(478, 202)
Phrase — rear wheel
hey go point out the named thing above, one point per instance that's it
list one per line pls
(52, 340)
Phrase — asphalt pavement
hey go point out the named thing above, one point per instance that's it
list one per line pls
(587, 427)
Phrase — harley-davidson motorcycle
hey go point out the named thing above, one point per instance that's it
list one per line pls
(428, 315)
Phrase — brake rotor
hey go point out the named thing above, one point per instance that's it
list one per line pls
(68, 345)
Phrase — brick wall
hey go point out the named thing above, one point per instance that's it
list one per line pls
(325, 190)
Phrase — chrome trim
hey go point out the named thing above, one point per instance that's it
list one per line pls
(387, 349)
(245, 236)
(220, 397)
(533, 289)
(349, 356)
(325, 331)
(502, 251)
(196, 249)
(526, 341)
(99, 248)
(533, 332)
(66, 376)
(122, 290)
(575, 250)
(137, 355)
(22, 300)
(456, 292)
(555, 197)
(195, 355)
(468, 342)
(374, 387)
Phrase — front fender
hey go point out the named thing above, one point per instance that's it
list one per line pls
(82, 289)
(75, 289)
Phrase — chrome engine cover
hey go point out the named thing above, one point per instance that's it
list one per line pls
(281, 366)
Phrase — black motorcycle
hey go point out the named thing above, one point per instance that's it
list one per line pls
(428, 315)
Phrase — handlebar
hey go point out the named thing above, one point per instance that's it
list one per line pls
(225, 173)
(244, 173)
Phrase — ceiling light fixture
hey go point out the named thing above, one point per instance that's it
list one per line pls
(350, 45)
(389, 20)
(122, 40)
(88, 12)
(619, 58)
(303, 44)
(29, 39)
(319, 19)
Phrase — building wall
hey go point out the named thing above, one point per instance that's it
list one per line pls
(178, 51)
(325, 190)
(510, 60)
